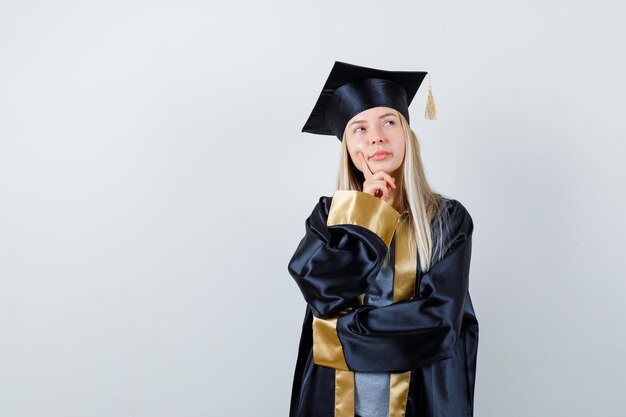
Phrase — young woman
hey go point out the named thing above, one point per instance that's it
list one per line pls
(389, 329)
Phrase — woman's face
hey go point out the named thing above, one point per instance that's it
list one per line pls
(373, 130)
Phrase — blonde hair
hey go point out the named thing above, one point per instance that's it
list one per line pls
(424, 205)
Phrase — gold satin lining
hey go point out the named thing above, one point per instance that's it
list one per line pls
(363, 209)
(356, 207)
(403, 289)
(405, 265)
(327, 349)
(344, 393)
(398, 393)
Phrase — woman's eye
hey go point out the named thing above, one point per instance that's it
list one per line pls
(390, 121)
(357, 129)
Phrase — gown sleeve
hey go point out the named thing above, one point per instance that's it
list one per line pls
(416, 332)
(345, 243)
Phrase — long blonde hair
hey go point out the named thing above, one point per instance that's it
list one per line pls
(423, 203)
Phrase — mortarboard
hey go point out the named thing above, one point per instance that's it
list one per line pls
(350, 89)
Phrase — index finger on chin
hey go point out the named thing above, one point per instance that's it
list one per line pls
(364, 167)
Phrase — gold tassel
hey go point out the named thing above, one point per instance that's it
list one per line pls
(431, 110)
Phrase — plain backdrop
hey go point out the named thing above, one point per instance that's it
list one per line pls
(154, 183)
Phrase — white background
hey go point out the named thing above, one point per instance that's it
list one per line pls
(154, 184)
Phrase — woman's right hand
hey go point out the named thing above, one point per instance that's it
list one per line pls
(377, 184)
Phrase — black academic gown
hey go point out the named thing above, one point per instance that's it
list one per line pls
(433, 336)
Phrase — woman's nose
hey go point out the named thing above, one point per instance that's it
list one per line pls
(378, 135)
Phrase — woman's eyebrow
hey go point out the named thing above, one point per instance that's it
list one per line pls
(380, 117)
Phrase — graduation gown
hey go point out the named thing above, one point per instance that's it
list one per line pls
(427, 338)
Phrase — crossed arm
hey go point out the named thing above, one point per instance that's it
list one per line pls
(339, 257)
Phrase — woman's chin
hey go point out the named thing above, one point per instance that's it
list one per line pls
(384, 165)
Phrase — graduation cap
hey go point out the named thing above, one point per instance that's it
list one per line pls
(350, 89)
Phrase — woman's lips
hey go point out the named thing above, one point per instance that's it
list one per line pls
(380, 156)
